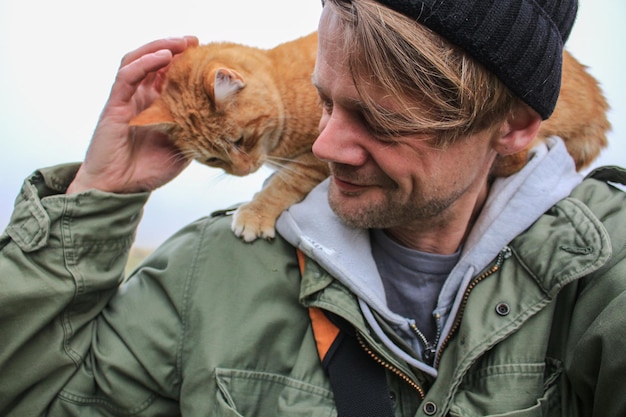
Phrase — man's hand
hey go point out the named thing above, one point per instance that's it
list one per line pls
(124, 159)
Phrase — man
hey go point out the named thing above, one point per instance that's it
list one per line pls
(474, 295)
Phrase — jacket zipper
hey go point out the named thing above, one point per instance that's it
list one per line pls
(430, 349)
(391, 368)
(505, 253)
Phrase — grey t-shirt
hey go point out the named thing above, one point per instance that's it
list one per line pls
(412, 279)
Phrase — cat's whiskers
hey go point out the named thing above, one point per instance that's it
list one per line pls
(280, 161)
(285, 166)
(178, 157)
(240, 150)
(219, 176)
(188, 154)
(225, 150)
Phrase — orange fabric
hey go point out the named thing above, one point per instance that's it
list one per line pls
(324, 331)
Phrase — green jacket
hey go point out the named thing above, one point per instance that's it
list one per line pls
(211, 326)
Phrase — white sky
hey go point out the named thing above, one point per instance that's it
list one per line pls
(59, 59)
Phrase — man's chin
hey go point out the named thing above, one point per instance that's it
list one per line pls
(353, 213)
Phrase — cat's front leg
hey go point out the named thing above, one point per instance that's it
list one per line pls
(289, 185)
(251, 221)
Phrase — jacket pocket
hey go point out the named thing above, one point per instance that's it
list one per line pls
(261, 394)
(512, 390)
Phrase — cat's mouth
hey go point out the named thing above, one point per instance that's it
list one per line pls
(239, 168)
(241, 172)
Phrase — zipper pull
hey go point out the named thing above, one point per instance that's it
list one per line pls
(504, 254)
(428, 354)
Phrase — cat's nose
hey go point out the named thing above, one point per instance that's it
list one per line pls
(241, 169)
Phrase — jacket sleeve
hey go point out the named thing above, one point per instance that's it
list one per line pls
(61, 259)
(596, 360)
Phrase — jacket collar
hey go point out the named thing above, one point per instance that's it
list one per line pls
(566, 243)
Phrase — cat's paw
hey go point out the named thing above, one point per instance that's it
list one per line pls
(249, 224)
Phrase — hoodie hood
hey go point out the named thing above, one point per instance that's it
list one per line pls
(513, 204)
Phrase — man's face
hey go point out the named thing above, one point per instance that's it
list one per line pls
(403, 184)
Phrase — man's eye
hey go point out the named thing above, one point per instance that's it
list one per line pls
(327, 105)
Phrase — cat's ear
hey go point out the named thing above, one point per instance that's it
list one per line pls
(222, 84)
(157, 115)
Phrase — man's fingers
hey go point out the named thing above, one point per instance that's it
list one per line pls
(175, 45)
(130, 76)
(142, 62)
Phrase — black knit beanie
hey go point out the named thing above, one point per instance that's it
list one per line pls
(521, 41)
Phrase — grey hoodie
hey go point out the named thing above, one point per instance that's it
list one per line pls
(513, 204)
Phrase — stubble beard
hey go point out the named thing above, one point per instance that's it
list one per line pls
(386, 211)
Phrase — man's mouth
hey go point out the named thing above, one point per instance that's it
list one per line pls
(348, 186)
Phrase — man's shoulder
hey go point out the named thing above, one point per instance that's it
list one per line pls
(603, 192)
(210, 243)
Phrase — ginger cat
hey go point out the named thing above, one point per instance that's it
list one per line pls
(237, 107)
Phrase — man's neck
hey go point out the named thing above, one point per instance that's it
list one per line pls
(446, 233)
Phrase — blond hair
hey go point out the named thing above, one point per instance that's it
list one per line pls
(439, 90)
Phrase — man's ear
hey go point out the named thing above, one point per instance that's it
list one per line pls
(518, 131)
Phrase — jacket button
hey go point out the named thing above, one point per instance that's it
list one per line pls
(430, 408)
(503, 309)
